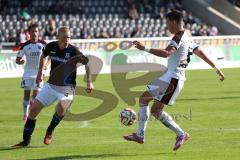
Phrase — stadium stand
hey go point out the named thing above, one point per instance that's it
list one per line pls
(95, 18)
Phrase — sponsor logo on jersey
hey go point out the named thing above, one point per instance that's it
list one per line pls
(35, 53)
(67, 55)
(66, 94)
(58, 59)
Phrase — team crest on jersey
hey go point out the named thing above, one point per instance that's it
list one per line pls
(39, 47)
(66, 95)
(67, 55)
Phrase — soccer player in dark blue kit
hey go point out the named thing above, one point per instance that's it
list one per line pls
(60, 86)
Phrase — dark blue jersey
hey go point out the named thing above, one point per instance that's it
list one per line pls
(63, 63)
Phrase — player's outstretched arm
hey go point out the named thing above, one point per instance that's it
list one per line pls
(203, 56)
(157, 52)
(89, 79)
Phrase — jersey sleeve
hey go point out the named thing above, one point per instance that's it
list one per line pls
(21, 53)
(175, 41)
(82, 59)
(77, 52)
(193, 46)
(22, 50)
(46, 50)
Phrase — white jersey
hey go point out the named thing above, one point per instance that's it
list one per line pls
(178, 62)
(32, 52)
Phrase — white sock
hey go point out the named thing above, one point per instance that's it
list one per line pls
(144, 113)
(25, 105)
(170, 123)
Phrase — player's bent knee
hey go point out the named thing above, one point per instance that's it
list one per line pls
(143, 101)
(154, 113)
(145, 98)
(35, 109)
(62, 107)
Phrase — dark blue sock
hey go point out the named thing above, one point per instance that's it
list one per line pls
(28, 130)
(55, 121)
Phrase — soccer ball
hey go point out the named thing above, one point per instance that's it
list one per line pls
(127, 116)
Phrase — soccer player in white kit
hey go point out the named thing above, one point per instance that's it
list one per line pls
(31, 50)
(165, 89)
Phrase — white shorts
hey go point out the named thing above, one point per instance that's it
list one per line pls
(30, 83)
(50, 93)
(165, 89)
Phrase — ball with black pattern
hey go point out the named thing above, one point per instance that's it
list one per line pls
(128, 116)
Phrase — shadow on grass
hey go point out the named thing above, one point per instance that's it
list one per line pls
(99, 156)
(14, 148)
(212, 98)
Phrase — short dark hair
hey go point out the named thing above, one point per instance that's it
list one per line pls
(32, 26)
(175, 15)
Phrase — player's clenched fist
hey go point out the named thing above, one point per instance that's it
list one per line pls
(90, 87)
(221, 75)
(138, 45)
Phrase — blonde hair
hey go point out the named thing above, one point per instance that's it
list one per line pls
(63, 29)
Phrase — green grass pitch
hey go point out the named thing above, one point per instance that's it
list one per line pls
(207, 108)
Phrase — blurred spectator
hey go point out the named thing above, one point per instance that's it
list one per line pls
(117, 33)
(22, 36)
(132, 12)
(188, 29)
(161, 13)
(103, 33)
(50, 29)
(203, 31)
(85, 34)
(213, 31)
(136, 32)
(127, 33)
(32, 21)
(24, 15)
